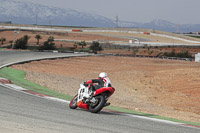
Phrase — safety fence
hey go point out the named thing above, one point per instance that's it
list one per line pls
(156, 57)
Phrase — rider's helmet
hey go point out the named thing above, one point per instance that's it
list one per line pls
(103, 75)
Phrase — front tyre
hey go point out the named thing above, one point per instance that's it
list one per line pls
(73, 103)
(98, 105)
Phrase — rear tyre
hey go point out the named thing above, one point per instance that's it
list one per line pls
(73, 103)
(98, 105)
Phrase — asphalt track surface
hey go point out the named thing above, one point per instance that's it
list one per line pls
(22, 112)
(10, 57)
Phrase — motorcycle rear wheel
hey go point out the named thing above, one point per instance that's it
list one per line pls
(100, 102)
(73, 103)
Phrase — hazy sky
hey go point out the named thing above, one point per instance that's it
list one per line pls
(176, 11)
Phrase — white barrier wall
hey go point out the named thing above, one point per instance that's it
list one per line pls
(197, 57)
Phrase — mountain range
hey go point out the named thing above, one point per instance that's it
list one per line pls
(31, 13)
(163, 25)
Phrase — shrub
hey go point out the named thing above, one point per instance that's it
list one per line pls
(38, 37)
(21, 43)
(2, 39)
(95, 47)
(135, 50)
(48, 45)
(51, 39)
(82, 43)
(171, 54)
(183, 54)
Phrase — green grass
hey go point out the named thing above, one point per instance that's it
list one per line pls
(17, 77)
(124, 110)
(194, 36)
(82, 50)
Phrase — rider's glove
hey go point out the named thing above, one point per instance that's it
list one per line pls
(85, 84)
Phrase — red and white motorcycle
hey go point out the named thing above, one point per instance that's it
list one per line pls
(92, 101)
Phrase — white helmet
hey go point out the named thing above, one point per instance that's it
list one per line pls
(103, 75)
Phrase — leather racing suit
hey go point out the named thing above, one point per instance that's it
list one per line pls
(101, 82)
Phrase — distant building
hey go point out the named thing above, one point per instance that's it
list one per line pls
(197, 57)
(8, 22)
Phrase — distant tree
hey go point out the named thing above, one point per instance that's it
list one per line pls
(75, 45)
(173, 53)
(135, 50)
(11, 43)
(21, 43)
(82, 44)
(184, 54)
(38, 37)
(26, 38)
(2, 39)
(51, 39)
(48, 45)
(95, 47)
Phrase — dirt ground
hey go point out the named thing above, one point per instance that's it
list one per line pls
(153, 38)
(162, 87)
(72, 36)
(82, 36)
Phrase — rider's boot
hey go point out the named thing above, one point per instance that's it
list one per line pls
(91, 95)
(92, 90)
(106, 104)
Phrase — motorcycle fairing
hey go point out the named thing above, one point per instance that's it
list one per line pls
(104, 89)
(80, 104)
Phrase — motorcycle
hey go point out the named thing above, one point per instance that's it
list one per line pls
(90, 100)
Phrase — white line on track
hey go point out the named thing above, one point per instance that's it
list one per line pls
(20, 89)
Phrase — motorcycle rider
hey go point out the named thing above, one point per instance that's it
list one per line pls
(102, 81)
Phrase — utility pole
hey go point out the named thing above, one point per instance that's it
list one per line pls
(16, 31)
(49, 22)
(177, 29)
(117, 21)
(36, 17)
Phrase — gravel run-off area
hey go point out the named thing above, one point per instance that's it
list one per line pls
(162, 87)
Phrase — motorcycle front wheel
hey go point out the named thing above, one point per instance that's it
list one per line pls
(73, 103)
(98, 105)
